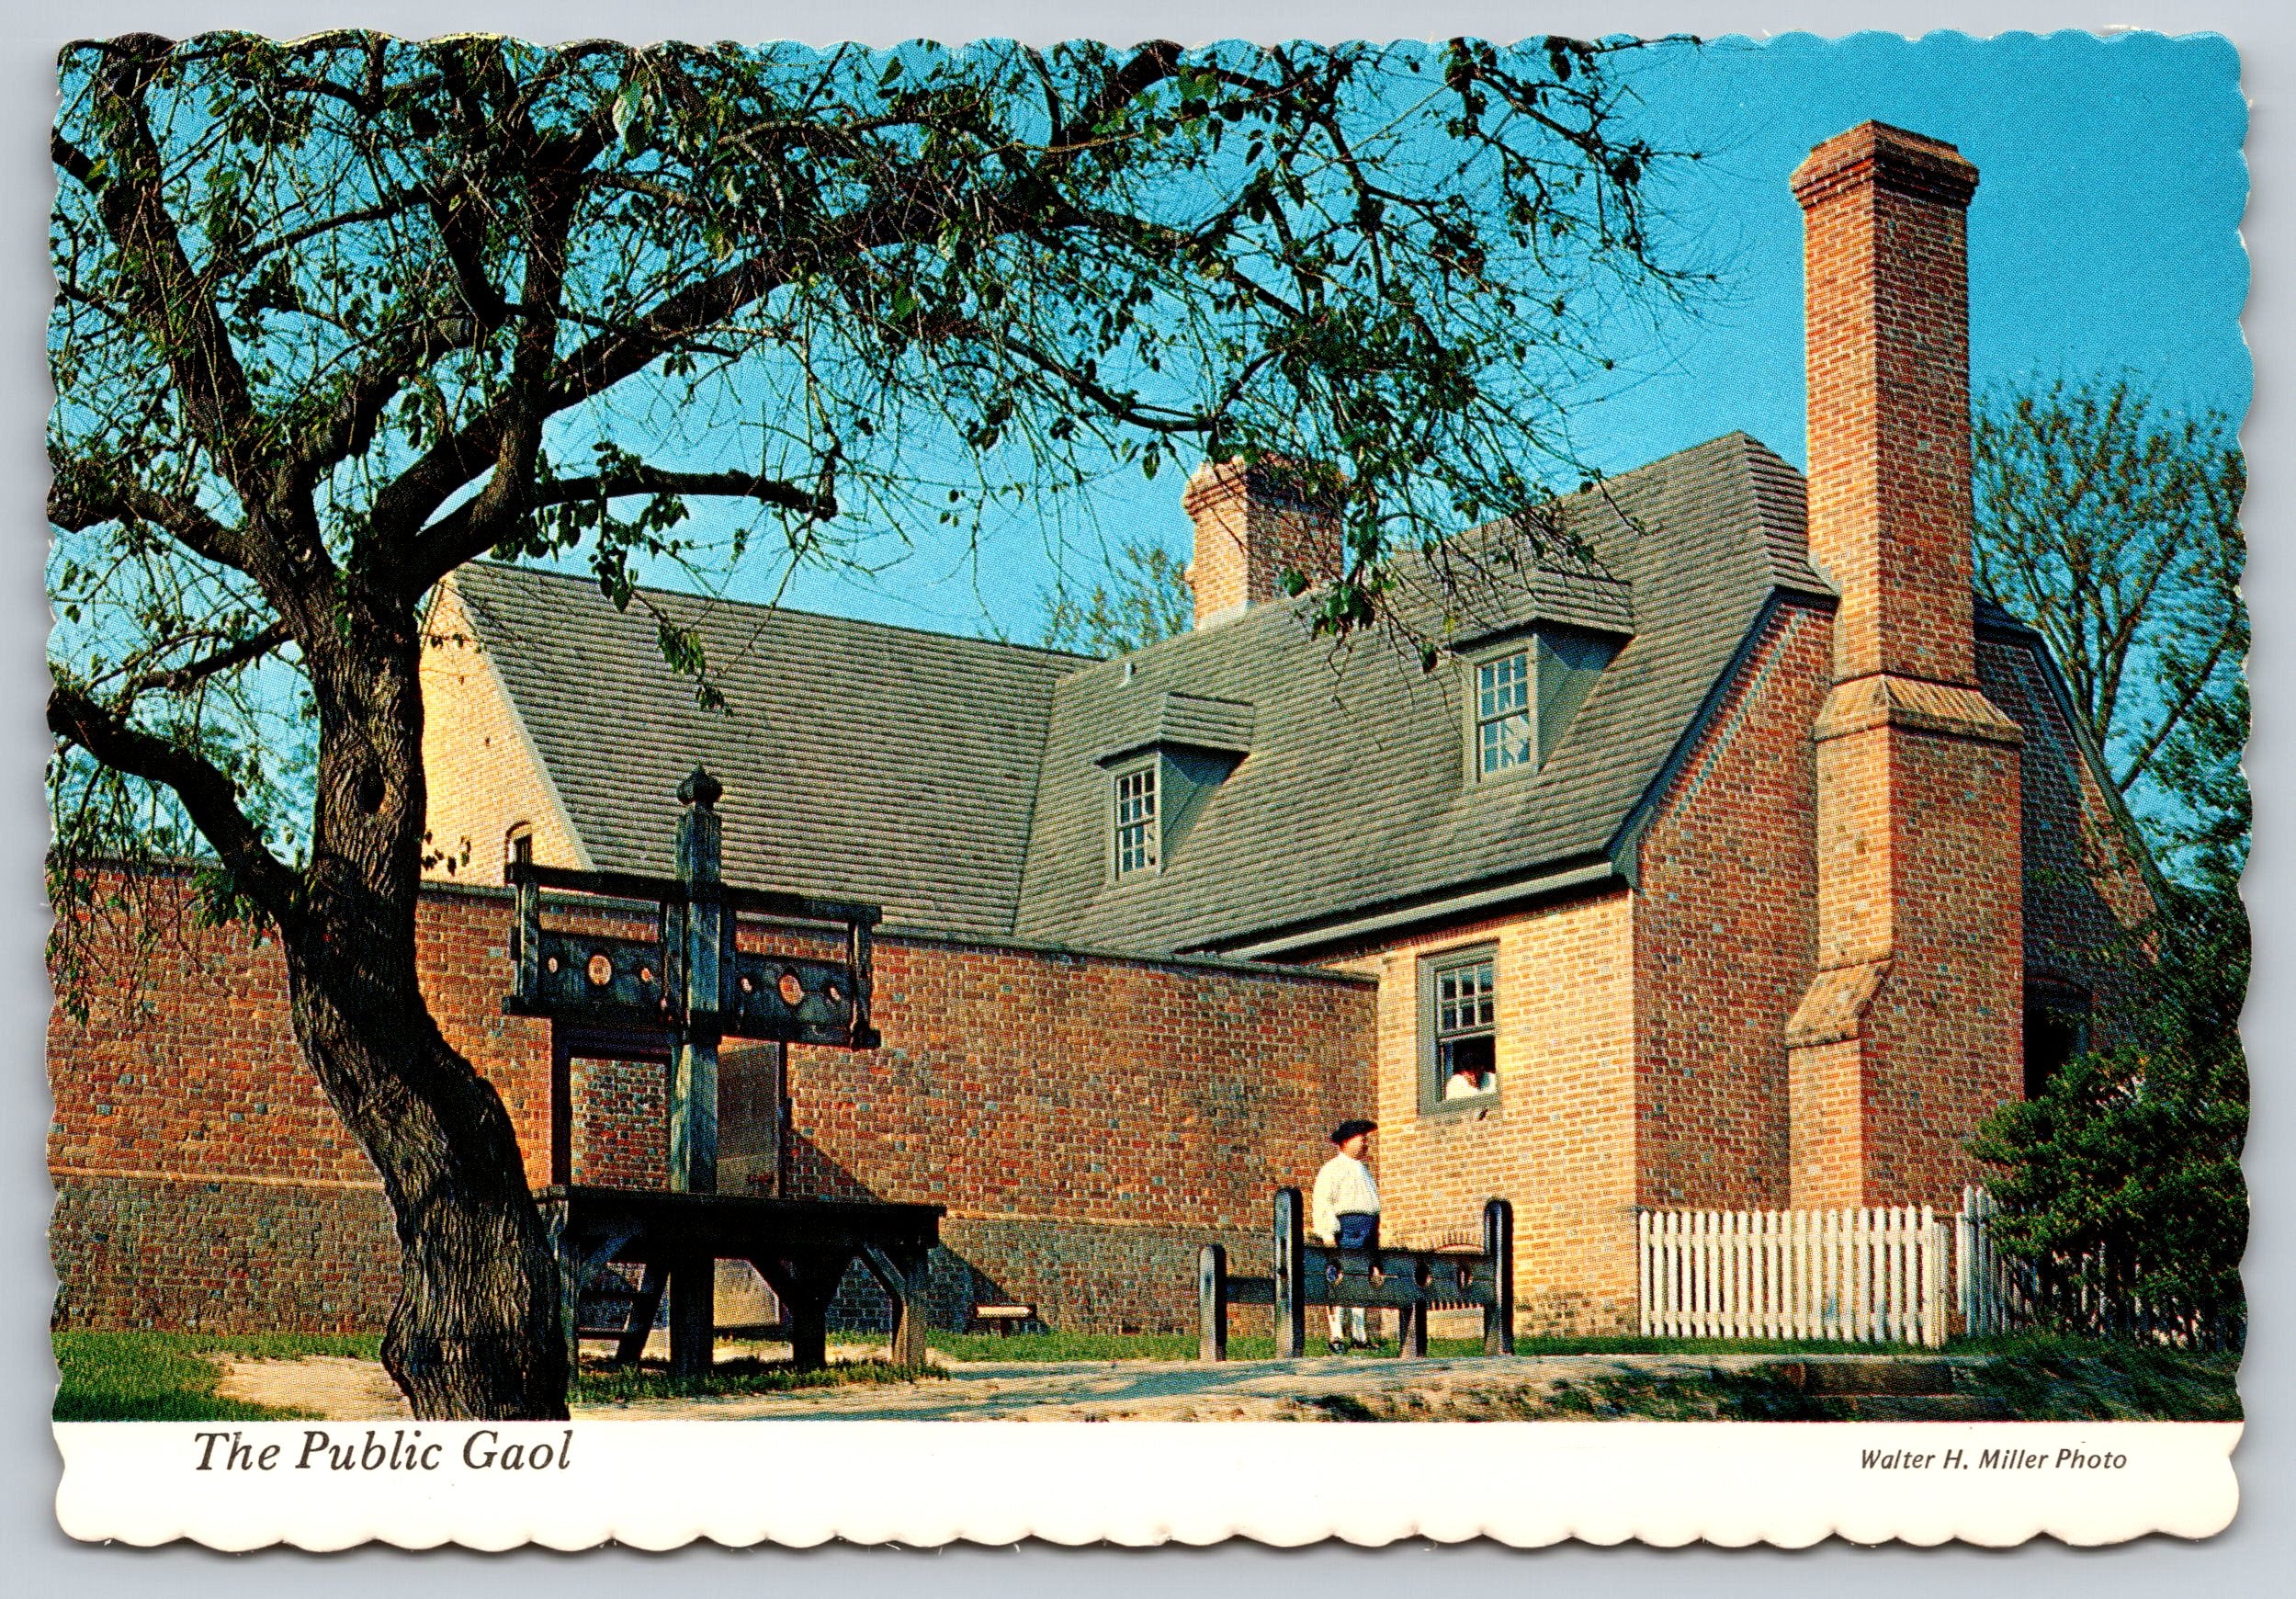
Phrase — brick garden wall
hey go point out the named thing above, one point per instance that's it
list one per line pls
(1088, 1121)
(203, 1181)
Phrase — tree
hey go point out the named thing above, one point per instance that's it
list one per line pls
(2114, 528)
(338, 315)
(2122, 1175)
(1144, 597)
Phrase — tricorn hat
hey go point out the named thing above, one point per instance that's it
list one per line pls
(1350, 1128)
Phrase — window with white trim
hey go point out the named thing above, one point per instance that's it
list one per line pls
(1461, 1027)
(1134, 793)
(1502, 713)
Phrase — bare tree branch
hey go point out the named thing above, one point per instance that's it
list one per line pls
(209, 797)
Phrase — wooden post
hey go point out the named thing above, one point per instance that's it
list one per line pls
(554, 1212)
(701, 939)
(643, 1306)
(1212, 1303)
(859, 959)
(693, 1315)
(805, 1286)
(1291, 1286)
(1410, 1330)
(1498, 1242)
(901, 1274)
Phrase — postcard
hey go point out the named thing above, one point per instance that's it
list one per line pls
(803, 766)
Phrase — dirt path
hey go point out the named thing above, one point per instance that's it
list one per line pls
(1242, 1390)
(336, 1387)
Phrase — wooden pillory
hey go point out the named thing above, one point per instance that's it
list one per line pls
(675, 997)
(1413, 1281)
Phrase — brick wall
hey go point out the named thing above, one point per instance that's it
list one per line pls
(1088, 1121)
(485, 775)
(1558, 1140)
(2084, 888)
(1082, 1115)
(221, 1254)
(1724, 933)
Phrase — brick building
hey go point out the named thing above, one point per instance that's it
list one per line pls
(1732, 853)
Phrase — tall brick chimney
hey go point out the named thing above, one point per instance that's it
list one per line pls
(1911, 1027)
(1253, 525)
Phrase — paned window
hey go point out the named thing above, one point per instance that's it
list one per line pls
(1464, 1027)
(1136, 821)
(1502, 713)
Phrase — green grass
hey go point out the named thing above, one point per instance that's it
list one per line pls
(2046, 1378)
(621, 1385)
(165, 1376)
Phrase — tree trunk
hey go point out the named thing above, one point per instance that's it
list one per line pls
(475, 1332)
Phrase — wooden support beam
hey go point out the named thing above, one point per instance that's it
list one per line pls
(1412, 1331)
(1212, 1303)
(702, 954)
(693, 1116)
(1291, 1285)
(693, 1313)
(805, 1283)
(643, 1307)
(903, 1274)
(1498, 1243)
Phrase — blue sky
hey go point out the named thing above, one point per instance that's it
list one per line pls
(2103, 241)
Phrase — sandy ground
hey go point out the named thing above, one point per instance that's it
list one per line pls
(1141, 1390)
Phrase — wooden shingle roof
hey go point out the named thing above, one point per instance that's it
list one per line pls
(860, 761)
(961, 782)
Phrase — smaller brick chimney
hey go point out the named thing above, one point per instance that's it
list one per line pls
(1254, 523)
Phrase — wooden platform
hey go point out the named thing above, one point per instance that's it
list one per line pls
(801, 1247)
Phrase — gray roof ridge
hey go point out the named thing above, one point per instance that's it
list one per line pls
(514, 569)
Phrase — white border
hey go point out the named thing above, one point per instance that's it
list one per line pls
(2255, 1554)
(662, 1484)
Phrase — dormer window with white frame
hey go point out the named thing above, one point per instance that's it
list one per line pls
(1521, 696)
(1133, 793)
(1502, 713)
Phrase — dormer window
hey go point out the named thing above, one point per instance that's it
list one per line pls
(1177, 749)
(1521, 694)
(1134, 791)
(1502, 712)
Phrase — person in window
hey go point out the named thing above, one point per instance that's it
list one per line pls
(1466, 1081)
(1346, 1210)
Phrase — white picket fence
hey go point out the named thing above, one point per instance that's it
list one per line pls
(1857, 1276)
(1988, 1289)
(1880, 1276)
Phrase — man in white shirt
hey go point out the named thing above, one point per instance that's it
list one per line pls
(1345, 1209)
